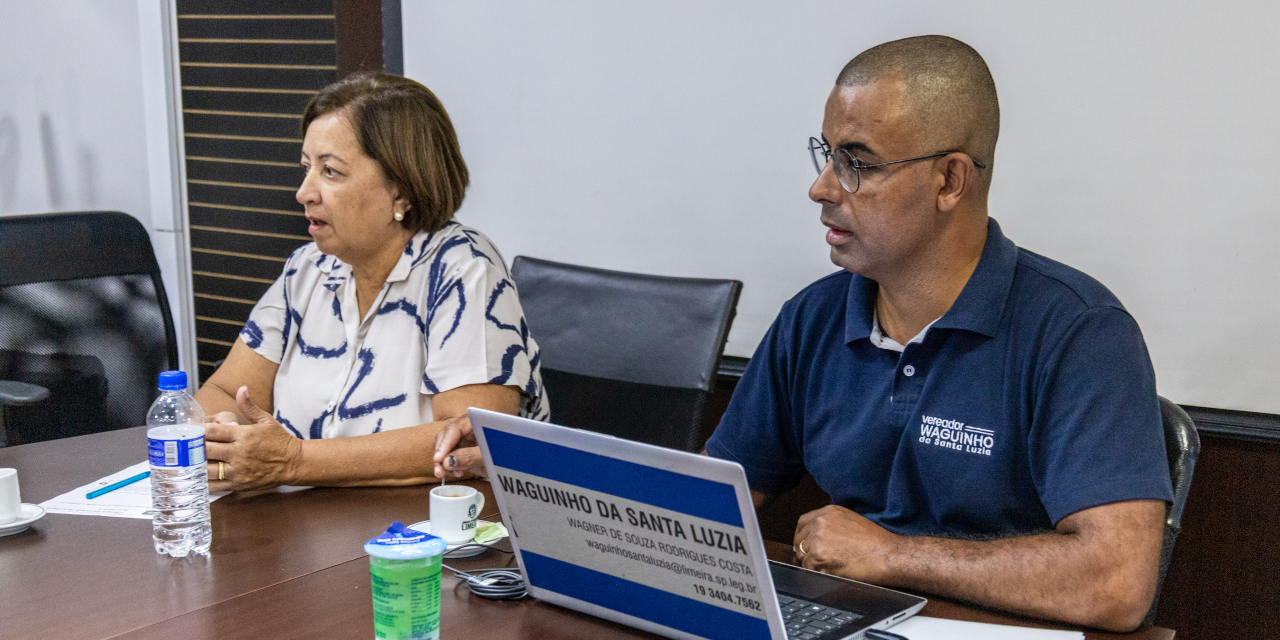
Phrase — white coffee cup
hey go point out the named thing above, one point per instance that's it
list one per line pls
(454, 509)
(10, 498)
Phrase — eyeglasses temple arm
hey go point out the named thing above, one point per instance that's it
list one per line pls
(977, 163)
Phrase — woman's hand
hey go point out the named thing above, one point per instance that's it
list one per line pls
(222, 417)
(261, 455)
(456, 450)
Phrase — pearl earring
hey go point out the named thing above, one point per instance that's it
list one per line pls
(399, 216)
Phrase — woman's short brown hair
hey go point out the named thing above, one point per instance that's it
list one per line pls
(402, 126)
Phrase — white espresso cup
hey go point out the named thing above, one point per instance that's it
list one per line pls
(454, 509)
(10, 498)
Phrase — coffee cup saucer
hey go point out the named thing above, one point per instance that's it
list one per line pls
(451, 551)
(27, 514)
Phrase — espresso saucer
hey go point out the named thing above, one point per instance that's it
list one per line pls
(27, 514)
(450, 551)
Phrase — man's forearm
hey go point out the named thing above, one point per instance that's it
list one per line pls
(1051, 575)
(1098, 569)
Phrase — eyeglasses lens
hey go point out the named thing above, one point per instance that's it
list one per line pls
(847, 170)
(818, 151)
(846, 166)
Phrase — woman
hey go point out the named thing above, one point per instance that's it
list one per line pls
(387, 327)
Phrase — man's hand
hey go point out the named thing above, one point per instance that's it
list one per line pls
(253, 456)
(839, 541)
(456, 450)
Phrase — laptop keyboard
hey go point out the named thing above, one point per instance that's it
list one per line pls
(806, 620)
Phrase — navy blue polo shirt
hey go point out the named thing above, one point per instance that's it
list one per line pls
(1032, 398)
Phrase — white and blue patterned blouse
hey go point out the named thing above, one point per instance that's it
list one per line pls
(447, 316)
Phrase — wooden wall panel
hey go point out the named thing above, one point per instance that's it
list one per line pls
(1224, 581)
(248, 68)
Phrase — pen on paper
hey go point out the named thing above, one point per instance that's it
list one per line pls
(112, 487)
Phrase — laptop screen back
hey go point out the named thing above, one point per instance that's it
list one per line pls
(649, 537)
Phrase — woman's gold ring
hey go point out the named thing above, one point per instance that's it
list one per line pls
(801, 549)
(222, 472)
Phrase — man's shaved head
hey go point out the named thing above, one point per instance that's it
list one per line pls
(948, 88)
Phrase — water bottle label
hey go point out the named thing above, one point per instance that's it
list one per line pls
(175, 453)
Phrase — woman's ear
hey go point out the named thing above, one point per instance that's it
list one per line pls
(400, 206)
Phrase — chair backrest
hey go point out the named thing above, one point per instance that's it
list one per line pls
(83, 312)
(1182, 443)
(627, 354)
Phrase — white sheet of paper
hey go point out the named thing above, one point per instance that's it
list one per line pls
(133, 501)
(926, 628)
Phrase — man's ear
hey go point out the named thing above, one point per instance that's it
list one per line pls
(959, 174)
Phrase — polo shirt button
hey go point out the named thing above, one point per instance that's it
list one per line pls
(908, 371)
(331, 406)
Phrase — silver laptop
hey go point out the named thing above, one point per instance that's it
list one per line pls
(659, 540)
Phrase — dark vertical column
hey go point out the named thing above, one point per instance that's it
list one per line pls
(392, 38)
(358, 35)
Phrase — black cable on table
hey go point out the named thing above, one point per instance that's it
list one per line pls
(883, 635)
(495, 583)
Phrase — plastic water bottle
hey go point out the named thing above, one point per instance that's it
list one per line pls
(179, 481)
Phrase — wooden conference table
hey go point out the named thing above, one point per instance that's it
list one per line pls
(283, 565)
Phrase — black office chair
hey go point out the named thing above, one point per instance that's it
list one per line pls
(631, 355)
(83, 315)
(1182, 442)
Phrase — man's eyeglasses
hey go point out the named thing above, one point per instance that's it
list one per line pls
(849, 168)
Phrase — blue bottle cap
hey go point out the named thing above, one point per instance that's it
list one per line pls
(173, 380)
(399, 542)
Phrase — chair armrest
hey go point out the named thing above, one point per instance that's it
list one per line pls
(17, 393)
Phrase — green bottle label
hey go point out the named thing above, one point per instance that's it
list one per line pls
(406, 598)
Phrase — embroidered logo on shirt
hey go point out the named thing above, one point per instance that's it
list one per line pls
(954, 434)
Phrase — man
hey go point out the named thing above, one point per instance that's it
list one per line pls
(984, 418)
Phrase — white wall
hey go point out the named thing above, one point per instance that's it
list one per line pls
(1138, 145)
(71, 108)
(83, 123)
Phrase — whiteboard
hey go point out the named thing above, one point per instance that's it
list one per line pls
(1138, 144)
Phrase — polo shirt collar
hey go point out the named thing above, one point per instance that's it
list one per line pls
(860, 308)
(981, 303)
(979, 307)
